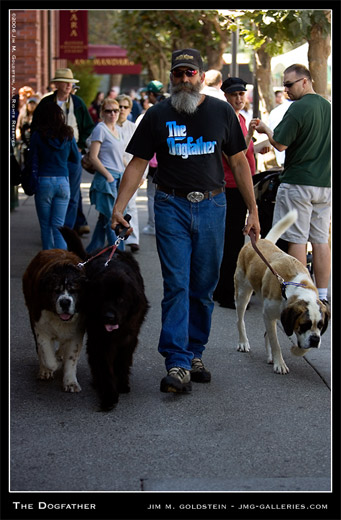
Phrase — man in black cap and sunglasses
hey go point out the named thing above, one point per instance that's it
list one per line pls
(188, 131)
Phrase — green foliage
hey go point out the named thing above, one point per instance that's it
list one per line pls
(88, 82)
(273, 28)
(101, 27)
(156, 33)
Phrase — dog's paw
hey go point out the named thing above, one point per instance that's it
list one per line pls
(59, 357)
(107, 406)
(281, 368)
(45, 373)
(243, 347)
(123, 388)
(72, 386)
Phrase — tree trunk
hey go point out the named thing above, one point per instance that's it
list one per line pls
(115, 80)
(160, 72)
(263, 74)
(215, 52)
(215, 58)
(318, 52)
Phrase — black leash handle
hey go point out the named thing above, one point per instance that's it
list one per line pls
(120, 230)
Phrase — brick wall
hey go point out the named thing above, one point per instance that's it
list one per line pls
(33, 49)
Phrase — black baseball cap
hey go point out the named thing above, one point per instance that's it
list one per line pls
(187, 57)
(233, 85)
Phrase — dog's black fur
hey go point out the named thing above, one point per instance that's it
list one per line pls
(115, 307)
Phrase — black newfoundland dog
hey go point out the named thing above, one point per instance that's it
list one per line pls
(115, 307)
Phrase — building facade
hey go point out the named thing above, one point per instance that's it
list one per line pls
(34, 48)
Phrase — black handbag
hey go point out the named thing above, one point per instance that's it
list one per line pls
(15, 170)
(87, 163)
(29, 174)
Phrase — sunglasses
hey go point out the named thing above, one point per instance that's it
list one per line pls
(122, 106)
(189, 73)
(111, 110)
(288, 85)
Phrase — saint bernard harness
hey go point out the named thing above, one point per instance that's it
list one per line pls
(279, 278)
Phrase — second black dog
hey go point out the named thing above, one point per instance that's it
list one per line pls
(115, 307)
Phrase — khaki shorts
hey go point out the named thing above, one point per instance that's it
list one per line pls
(313, 206)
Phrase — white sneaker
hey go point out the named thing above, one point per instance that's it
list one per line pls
(148, 230)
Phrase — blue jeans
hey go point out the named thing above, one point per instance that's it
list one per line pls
(51, 200)
(75, 176)
(190, 240)
(103, 228)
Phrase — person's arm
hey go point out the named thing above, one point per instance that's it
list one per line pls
(129, 184)
(84, 122)
(263, 129)
(93, 154)
(74, 152)
(250, 132)
(242, 175)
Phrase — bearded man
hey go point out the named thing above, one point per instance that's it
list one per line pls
(188, 131)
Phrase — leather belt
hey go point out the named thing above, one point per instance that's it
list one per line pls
(192, 196)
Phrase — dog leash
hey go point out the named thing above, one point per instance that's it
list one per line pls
(281, 280)
(120, 236)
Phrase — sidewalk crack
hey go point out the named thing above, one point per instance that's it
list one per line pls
(318, 373)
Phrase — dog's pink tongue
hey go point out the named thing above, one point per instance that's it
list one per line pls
(110, 328)
(65, 316)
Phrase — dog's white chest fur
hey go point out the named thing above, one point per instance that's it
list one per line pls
(51, 325)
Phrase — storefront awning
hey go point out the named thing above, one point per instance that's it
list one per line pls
(110, 59)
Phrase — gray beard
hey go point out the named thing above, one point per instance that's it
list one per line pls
(185, 100)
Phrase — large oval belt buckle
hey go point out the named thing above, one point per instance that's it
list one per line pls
(195, 196)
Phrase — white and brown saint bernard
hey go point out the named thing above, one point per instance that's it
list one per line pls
(301, 312)
(53, 285)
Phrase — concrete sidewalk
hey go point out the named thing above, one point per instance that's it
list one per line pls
(247, 431)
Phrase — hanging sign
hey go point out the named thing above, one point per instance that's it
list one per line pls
(73, 34)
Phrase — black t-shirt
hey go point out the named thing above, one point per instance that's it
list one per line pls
(188, 147)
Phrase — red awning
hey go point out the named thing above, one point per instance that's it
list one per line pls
(106, 51)
(110, 59)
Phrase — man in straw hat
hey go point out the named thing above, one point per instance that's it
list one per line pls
(77, 116)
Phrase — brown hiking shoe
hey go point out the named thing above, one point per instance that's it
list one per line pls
(199, 374)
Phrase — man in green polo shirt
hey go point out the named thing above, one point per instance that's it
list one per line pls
(304, 134)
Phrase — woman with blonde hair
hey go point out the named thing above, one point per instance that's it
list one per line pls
(106, 154)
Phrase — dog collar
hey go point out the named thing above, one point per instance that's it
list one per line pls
(284, 284)
(279, 278)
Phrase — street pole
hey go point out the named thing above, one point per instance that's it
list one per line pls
(255, 89)
(49, 47)
(234, 53)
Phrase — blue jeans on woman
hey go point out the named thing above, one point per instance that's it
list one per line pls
(190, 240)
(75, 176)
(103, 195)
(101, 232)
(51, 200)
